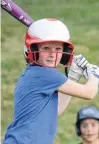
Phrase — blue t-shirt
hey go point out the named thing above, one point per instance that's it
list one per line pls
(35, 106)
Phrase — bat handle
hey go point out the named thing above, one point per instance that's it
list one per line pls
(87, 65)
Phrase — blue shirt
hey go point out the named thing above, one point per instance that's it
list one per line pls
(35, 106)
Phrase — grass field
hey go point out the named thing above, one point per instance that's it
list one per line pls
(82, 19)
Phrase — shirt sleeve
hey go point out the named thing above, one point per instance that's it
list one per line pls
(52, 79)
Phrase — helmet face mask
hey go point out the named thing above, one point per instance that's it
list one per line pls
(48, 30)
(66, 58)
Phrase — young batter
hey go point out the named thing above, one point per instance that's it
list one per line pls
(47, 44)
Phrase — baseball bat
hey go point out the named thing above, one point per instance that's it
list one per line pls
(15, 11)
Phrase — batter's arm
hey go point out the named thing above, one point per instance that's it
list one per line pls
(63, 101)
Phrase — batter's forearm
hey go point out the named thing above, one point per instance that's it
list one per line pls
(63, 101)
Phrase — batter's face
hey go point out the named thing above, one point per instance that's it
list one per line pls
(50, 53)
(90, 130)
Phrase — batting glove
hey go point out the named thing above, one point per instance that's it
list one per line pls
(81, 61)
(91, 69)
(75, 72)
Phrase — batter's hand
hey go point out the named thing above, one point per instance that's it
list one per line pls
(91, 69)
(81, 61)
(75, 72)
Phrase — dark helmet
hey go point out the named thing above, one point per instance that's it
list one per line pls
(86, 112)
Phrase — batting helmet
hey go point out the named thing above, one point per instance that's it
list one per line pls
(46, 30)
(86, 112)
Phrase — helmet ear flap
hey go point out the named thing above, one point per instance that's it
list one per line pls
(66, 57)
(34, 50)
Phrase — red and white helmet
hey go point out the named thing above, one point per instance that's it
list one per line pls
(45, 30)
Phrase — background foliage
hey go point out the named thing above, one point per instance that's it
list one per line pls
(82, 19)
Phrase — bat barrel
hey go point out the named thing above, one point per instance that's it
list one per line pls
(16, 12)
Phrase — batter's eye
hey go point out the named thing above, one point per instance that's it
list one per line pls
(46, 48)
(58, 49)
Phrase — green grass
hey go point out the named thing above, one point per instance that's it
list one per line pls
(82, 19)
